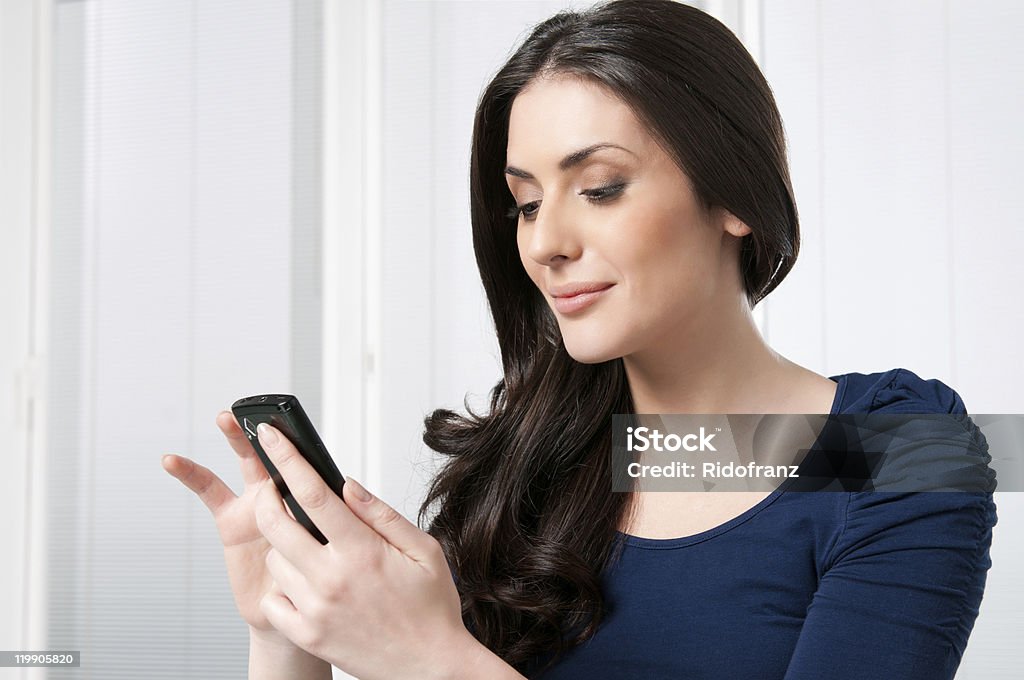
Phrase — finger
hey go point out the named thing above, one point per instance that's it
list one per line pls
(211, 490)
(389, 523)
(287, 578)
(285, 534)
(281, 613)
(276, 589)
(253, 471)
(327, 511)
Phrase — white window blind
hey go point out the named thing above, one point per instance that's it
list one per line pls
(185, 274)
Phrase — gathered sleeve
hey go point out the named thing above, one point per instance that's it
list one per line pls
(903, 581)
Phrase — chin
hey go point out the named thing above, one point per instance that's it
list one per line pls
(590, 352)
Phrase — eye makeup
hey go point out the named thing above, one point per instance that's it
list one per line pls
(599, 195)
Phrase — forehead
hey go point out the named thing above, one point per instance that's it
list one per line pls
(555, 114)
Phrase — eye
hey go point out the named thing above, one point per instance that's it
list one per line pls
(526, 210)
(605, 193)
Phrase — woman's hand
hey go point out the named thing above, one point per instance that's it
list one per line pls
(245, 548)
(378, 601)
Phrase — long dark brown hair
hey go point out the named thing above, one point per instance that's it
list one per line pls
(524, 507)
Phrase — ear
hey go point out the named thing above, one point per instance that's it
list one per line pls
(733, 224)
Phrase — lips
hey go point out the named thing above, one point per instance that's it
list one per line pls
(583, 296)
(572, 289)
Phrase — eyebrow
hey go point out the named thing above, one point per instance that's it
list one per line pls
(574, 158)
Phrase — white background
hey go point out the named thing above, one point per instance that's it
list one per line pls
(202, 200)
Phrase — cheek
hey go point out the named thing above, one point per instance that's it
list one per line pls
(533, 270)
(520, 247)
(650, 246)
(664, 264)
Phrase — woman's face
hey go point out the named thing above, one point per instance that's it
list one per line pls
(625, 219)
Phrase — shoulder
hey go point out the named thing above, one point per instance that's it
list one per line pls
(899, 390)
(914, 433)
(935, 482)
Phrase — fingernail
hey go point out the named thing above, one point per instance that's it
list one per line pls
(361, 493)
(267, 434)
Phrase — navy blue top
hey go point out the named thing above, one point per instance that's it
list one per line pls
(805, 586)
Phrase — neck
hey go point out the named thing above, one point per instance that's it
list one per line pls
(717, 363)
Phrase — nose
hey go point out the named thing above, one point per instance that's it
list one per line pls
(551, 236)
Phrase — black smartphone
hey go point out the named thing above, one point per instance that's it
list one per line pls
(284, 412)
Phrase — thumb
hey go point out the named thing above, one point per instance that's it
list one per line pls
(387, 522)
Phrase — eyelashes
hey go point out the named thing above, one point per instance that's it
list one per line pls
(600, 195)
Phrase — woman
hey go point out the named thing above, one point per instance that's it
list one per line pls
(633, 157)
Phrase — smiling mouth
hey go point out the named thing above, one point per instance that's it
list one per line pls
(570, 304)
